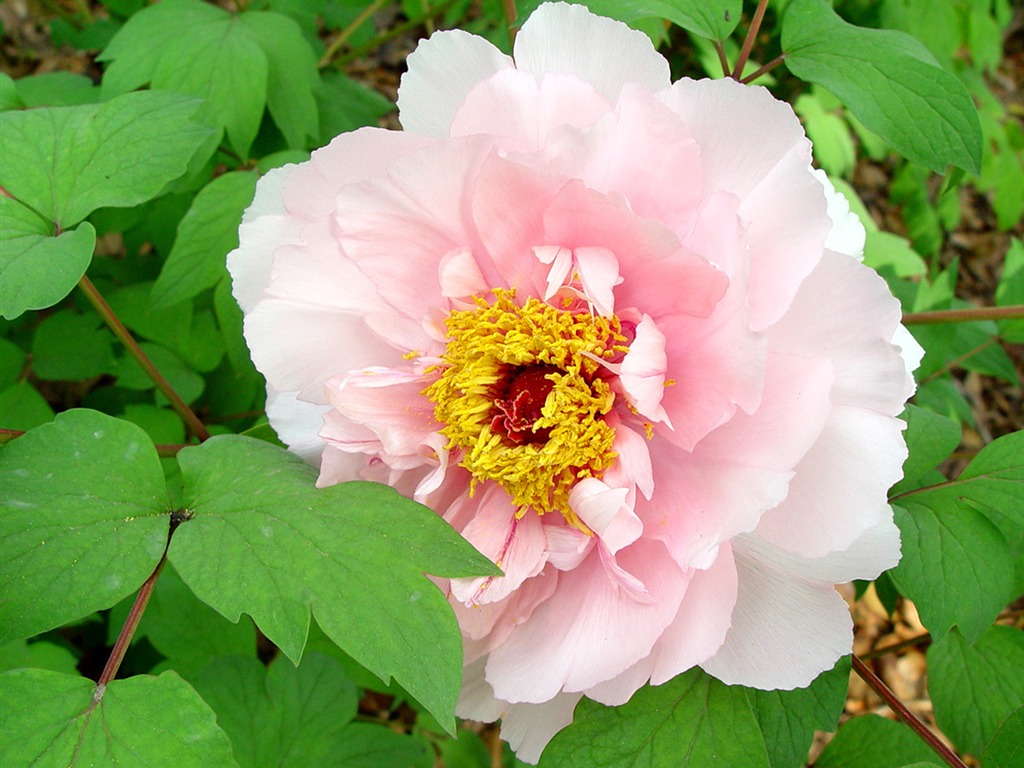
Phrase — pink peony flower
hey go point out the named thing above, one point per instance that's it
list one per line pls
(616, 332)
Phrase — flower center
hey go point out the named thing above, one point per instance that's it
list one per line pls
(522, 396)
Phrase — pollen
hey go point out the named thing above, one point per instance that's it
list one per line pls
(523, 398)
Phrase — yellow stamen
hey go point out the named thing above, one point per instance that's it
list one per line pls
(569, 439)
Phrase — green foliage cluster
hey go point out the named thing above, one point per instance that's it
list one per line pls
(119, 200)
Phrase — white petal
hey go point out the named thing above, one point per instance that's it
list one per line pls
(442, 71)
(297, 423)
(605, 512)
(785, 631)
(568, 39)
(847, 235)
(529, 727)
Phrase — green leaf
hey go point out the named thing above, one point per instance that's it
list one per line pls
(12, 363)
(941, 570)
(886, 250)
(37, 269)
(467, 750)
(833, 146)
(40, 654)
(712, 19)
(69, 346)
(186, 382)
(189, 632)
(206, 234)
(56, 89)
(888, 80)
(354, 552)
(1006, 749)
(930, 439)
(1011, 291)
(361, 745)
(203, 51)
(692, 720)
(346, 104)
(22, 407)
(84, 520)
(66, 162)
(292, 76)
(870, 741)
(281, 716)
(788, 719)
(975, 689)
(52, 719)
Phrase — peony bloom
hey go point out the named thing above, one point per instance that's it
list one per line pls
(615, 331)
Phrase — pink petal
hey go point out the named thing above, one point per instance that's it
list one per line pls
(604, 510)
(567, 547)
(460, 275)
(642, 373)
(704, 618)
(517, 546)
(778, 617)
(588, 631)
(561, 38)
(441, 73)
(520, 111)
(599, 274)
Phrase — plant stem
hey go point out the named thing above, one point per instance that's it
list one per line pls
(748, 43)
(509, 7)
(392, 33)
(868, 676)
(346, 33)
(192, 421)
(722, 59)
(764, 69)
(913, 642)
(1013, 311)
(131, 623)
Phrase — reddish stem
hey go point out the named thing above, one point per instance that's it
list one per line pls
(131, 624)
(748, 43)
(511, 14)
(192, 421)
(722, 59)
(909, 718)
(764, 69)
(967, 314)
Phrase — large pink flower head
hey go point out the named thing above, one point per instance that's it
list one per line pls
(616, 332)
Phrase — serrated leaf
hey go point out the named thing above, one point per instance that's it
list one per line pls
(84, 520)
(354, 552)
(788, 719)
(37, 269)
(281, 716)
(941, 570)
(292, 76)
(976, 688)
(204, 51)
(65, 162)
(889, 81)
(52, 719)
(870, 741)
(690, 721)
(206, 234)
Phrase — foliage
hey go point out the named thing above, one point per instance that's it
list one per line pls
(132, 187)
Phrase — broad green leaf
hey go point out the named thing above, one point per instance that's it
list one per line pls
(12, 363)
(888, 80)
(467, 750)
(941, 570)
(886, 250)
(930, 439)
(9, 98)
(84, 520)
(189, 632)
(57, 89)
(207, 233)
(356, 553)
(362, 745)
(298, 717)
(976, 688)
(66, 162)
(52, 719)
(40, 654)
(203, 51)
(37, 269)
(1011, 291)
(346, 104)
(186, 382)
(292, 77)
(712, 19)
(690, 721)
(69, 345)
(788, 719)
(1006, 749)
(870, 741)
(162, 425)
(22, 407)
